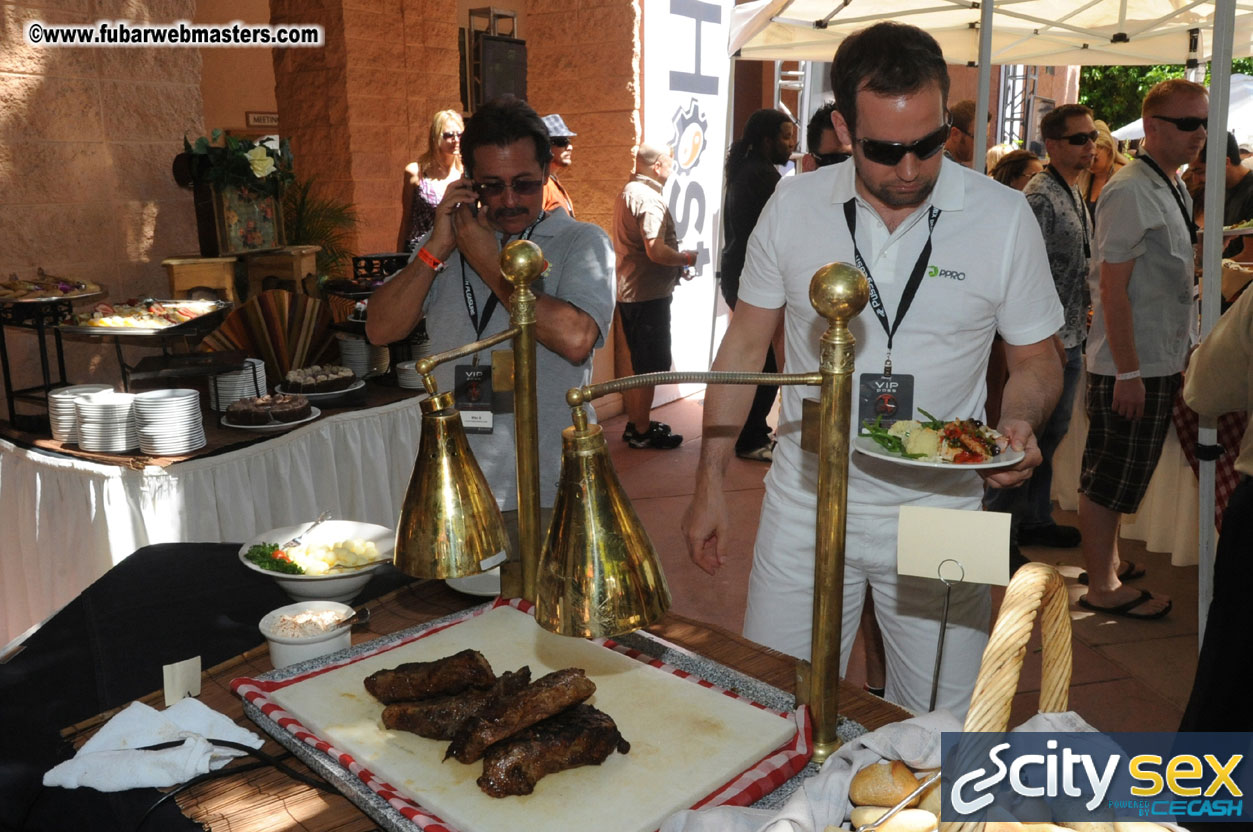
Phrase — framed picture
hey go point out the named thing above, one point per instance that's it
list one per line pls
(246, 221)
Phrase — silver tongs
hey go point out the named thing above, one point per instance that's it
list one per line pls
(322, 518)
(890, 813)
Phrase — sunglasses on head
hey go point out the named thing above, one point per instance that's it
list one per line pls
(452, 134)
(559, 141)
(1080, 139)
(1187, 124)
(521, 187)
(891, 153)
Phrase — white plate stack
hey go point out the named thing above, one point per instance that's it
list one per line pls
(407, 376)
(63, 413)
(169, 422)
(227, 388)
(362, 357)
(106, 422)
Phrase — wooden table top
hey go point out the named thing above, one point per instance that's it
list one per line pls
(251, 802)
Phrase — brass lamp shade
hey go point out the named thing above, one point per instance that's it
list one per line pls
(598, 572)
(449, 522)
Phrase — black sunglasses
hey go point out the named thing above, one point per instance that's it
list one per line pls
(891, 153)
(824, 159)
(559, 141)
(521, 187)
(1080, 139)
(1187, 124)
(451, 134)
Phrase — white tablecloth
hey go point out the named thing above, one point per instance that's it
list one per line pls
(1167, 519)
(64, 522)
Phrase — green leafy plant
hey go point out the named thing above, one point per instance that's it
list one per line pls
(242, 163)
(312, 220)
(1114, 92)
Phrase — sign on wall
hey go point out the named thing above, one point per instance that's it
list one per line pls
(686, 69)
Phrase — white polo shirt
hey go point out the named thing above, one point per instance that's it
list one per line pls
(989, 273)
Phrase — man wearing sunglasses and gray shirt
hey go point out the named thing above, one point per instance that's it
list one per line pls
(454, 282)
(953, 258)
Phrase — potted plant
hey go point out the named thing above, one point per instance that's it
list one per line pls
(237, 186)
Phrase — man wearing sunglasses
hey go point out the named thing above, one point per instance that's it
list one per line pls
(454, 282)
(1070, 139)
(953, 258)
(560, 138)
(1143, 319)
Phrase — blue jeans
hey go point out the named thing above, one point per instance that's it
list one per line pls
(1030, 505)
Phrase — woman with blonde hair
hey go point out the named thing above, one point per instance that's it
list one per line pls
(426, 179)
(1105, 163)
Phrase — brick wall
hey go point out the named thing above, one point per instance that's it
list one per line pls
(358, 110)
(87, 137)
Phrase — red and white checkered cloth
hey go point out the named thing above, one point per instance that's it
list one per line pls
(764, 777)
(1231, 428)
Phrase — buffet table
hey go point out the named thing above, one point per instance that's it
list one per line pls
(101, 652)
(68, 515)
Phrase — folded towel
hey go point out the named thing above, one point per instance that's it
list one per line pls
(110, 761)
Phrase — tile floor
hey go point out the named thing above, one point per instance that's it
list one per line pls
(1127, 675)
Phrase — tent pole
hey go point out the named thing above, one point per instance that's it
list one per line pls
(1211, 286)
(979, 162)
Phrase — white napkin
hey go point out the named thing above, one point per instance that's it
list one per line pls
(822, 800)
(110, 761)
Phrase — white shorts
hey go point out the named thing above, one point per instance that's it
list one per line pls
(908, 609)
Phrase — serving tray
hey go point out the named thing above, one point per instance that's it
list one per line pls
(196, 326)
(701, 734)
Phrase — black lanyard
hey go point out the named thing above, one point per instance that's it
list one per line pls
(911, 288)
(1079, 209)
(472, 306)
(1183, 209)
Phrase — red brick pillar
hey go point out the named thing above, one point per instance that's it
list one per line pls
(357, 110)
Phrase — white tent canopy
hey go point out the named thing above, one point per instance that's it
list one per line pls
(1041, 32)
(1053, 32)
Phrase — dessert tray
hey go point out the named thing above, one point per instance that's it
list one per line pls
(328, 396)
(700, 733)
(273, 427)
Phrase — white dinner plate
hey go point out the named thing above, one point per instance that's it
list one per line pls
(1237, 232)
(869, 447)
(327, 396)
(273, 427)
(486, 583)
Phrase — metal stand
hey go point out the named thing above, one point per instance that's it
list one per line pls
(40, 317)
(939, 647)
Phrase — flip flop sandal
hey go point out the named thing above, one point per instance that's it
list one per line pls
(1127, 610)
(1129, 573)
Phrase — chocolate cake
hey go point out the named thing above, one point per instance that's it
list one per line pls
(320, 378)
(265, 410)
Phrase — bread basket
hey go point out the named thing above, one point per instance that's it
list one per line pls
(1036, 588)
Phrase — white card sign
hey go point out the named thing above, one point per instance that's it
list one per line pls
(978, 541)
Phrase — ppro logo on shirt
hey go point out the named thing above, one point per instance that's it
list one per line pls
(951, 274)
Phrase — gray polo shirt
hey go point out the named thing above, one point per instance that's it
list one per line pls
(641, 214)
(1066, 226)
(1137, 218)
(580, 273)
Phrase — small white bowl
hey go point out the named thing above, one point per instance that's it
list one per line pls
(285, 650)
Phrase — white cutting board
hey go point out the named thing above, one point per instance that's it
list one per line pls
(686, 740)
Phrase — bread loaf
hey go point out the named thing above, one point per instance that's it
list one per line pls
(930, 799)
(906, 820)
(883, 784)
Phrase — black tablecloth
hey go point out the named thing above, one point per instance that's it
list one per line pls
(162, 604)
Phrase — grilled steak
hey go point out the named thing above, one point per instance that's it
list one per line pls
(545, 697)
(439, 718)
(422, 680)
(578, 736)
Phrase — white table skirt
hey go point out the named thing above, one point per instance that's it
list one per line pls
(1167, 519)
(64, 522)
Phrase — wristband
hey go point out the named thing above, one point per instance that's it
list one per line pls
(689, 258)
(431, 260)
(1128, 376)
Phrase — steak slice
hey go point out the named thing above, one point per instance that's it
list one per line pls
(545, 697)
(422, 680)
(578, 736)
(439, 718)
